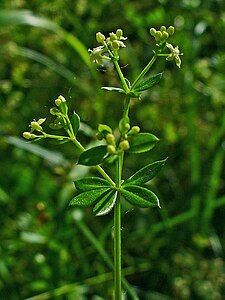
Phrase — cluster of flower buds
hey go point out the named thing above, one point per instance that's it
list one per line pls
(126, 133)
(60, 110)
(35, 126)
(109, 46)
(162, 34)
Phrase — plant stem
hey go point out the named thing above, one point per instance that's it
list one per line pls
(144, 71)
(122, 79)
(117, 231)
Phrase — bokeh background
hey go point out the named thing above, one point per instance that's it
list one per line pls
(45, 247)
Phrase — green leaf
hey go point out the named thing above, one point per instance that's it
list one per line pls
(91, 183)
(140, 196)
(75, 122)
(145, 174)
(105, 205)
(148, 83)
(142, 142)
(113, 89)
(89, 197)
(104, 129)
(123, 124)
(93, 156)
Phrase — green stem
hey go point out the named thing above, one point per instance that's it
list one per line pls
(122, 79)
(98, 246)
(117, 231)
(126, 106)
(144, 71)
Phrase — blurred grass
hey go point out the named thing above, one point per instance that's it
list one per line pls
(49, 57)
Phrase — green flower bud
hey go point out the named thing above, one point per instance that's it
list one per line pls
(112, 36)
(41, 121)
(100, 37)
(110, 139)
(158, 36)
(135, 129)
(170, 30)
(165, 36)
(58, 102)
(27, 135)
(111, 149)
(62, 98)
(119, 33)
(115, 45)
(124, 145)
(163, 28)
(54, 111)
(35, 126)
(153, 31)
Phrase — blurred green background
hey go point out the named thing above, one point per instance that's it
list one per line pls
(173, 253)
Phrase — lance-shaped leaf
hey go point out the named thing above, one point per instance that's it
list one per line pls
(90, 183)
(145, 174)
(93, 156)
(148, 83)
(113, 89)
(142, 142)
(75, 122)
(106, 203)
(90, 197)
(140, 196)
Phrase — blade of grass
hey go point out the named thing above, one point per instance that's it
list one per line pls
(26, 17)
(55, 158)
(42, 59)
(211, 194)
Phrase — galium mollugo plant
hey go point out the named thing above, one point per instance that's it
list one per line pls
(105, 193)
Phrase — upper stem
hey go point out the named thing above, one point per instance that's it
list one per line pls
(122, 79)
(144, 71)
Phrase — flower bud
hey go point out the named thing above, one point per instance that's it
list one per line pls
(54, 111)
(100, 37)
(135, 129)
(153, 31)
(41, 121)
(35, 126)
(165, 35)
(124, 145)
(119, 33)
(170, 30)
(58, 102)
(111, 149)
(62, 98)
(163, 28)
(115, 45)
(112, 36)
(27, 135)
(158, 36)
(110, 139)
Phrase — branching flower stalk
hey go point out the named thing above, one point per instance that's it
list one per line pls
(104, 193)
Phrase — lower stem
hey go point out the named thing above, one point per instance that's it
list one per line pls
(117, 249)
(117, 231)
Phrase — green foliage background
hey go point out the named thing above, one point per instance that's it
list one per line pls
(173, 253)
